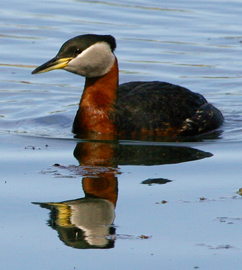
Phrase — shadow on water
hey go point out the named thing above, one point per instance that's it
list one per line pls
(89, 222)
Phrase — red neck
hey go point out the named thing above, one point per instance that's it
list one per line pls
(96, 104)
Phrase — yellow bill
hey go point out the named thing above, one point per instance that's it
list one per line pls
(52, 64)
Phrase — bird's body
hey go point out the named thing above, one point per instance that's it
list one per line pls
(129, 110)
(171, 110)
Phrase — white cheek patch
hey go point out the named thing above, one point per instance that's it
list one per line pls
(95, 61)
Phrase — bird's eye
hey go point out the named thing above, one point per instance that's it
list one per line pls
(77, 51)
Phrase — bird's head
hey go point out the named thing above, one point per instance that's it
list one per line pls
(86, 55)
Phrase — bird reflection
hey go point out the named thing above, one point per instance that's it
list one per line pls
(83, 223)
(89, 222)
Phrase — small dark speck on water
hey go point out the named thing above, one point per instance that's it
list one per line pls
(240, 191)
(162, 202)
(144, 236)
(30, 147)
(25, 82)
(34, 148)
(159, 181)
(56, 165)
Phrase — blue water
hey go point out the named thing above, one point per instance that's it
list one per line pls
(148, 205)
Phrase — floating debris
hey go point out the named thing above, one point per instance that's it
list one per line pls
(240, 192)
(222, 246)
(144, 236)
(162, 202)
(35, 148)
(159, 181)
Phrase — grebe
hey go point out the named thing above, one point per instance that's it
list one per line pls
(133, 109)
